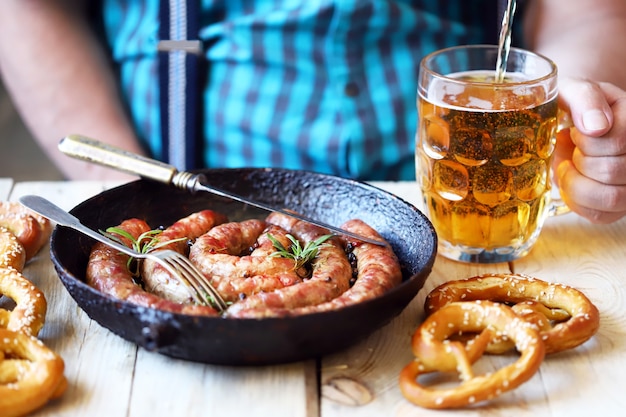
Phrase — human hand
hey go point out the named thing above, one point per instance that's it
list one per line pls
(590, 158)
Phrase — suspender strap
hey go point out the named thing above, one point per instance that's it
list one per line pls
(179, 83)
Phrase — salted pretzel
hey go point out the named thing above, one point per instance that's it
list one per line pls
(12, 252)
(563, 315)
(30, 374)
(434, 351)
(30, 229)
(29, 313)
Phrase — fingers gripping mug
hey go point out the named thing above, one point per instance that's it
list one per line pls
(484, 150)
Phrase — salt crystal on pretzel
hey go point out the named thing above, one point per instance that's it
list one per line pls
(12, 252)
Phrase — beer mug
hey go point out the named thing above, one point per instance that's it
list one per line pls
(484, 150)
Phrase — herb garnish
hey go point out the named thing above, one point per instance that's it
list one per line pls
(302, 256)
(145, 243)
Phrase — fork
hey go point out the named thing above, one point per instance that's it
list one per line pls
(181, 267)
(176, 264)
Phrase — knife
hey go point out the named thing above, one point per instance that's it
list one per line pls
(94, 151)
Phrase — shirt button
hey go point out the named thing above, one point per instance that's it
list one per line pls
(351, 89)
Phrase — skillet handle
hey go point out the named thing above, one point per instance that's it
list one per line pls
(94, 151)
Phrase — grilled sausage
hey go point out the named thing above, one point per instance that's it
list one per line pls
(107, 271)
(330, 278)
(217, 256)
(159, 281)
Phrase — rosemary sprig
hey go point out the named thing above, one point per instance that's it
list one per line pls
(145, 243)
(302, 256)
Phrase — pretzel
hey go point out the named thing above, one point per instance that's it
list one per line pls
(29, 313)
(30, 374)
(30, 229)
(563, 315)
(434, 351)
(12, 252)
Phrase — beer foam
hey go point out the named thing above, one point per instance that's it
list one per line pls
(475, 102)
(448, 93)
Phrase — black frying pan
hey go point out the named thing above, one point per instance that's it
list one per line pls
(248, 341)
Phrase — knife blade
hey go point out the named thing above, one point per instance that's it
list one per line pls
(97, 152)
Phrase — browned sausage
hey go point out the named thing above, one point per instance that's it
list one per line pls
(159, 281)
(378, 270)
(216, 254)
(331, 277)
(31, 229)
(264, 245)
(233, 238)
(23, 226)
(107, 272)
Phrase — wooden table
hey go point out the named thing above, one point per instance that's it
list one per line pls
(111, 377)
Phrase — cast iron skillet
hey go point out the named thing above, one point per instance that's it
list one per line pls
(248, 341)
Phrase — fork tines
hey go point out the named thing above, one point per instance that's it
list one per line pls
(203, 291)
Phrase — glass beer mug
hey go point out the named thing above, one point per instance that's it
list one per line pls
(484, 150)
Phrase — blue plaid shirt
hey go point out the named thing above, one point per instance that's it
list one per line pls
(321, 85)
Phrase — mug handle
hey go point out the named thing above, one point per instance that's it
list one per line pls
(557, 206)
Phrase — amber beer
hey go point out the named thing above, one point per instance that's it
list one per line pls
(483, 154)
